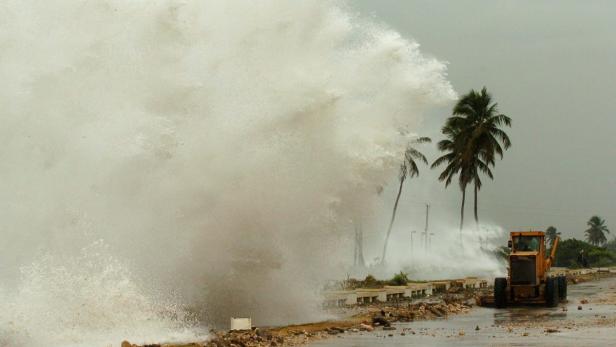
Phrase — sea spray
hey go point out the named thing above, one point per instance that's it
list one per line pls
(88, 300)
(447, 253)
(220, 148)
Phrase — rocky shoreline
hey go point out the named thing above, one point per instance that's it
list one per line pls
(368, 318)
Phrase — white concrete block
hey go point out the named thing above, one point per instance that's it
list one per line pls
(241, 323)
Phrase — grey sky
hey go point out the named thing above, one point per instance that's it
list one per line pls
(551, 66)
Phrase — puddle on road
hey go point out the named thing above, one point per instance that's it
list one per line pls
(517, 326)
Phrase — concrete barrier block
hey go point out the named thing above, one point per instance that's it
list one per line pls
(241, 323)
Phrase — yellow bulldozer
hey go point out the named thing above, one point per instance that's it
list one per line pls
(528, 281)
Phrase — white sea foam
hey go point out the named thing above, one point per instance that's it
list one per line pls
(218, 147)
(88, 300)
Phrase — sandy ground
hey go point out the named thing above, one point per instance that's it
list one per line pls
(592, 325)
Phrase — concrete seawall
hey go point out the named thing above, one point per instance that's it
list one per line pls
(414, 290)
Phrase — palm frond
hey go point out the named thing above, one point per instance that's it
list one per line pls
(420, 140)
(412, 153)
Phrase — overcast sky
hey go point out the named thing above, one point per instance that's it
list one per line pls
(551, 66)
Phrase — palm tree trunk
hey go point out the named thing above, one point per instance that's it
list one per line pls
(391, 222)
(462, 211)
(476, 215)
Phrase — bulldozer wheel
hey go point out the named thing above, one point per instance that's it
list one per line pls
(562, 288)
(551, 292)
(500, 292)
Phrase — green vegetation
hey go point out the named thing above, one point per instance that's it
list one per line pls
(568, 253)
(370, 282)
(400, 279)
(595, 234)
(408, 168)
(473, 139)
(611, 245)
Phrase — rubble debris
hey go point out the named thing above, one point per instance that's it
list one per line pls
(366, 327)
(364, 320)
(380, 321)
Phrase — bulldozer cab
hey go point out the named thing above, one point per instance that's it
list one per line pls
(527, 258)
(527, 280)
(527, 243)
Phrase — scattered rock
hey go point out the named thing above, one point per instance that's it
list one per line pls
(263, 334)
(583, 301)
(236, 342)
(461, 333)
(380, 321)
(366, 327)
(437, 311)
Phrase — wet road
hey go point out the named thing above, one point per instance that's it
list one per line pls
(594, 325)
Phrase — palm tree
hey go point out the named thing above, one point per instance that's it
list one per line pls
(595, 234)
(474, 139)
(453, 161)
(551, 234)
(474, 166)
(408, 168)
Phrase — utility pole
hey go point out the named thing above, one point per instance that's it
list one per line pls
(359, 246)
(355, 250)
